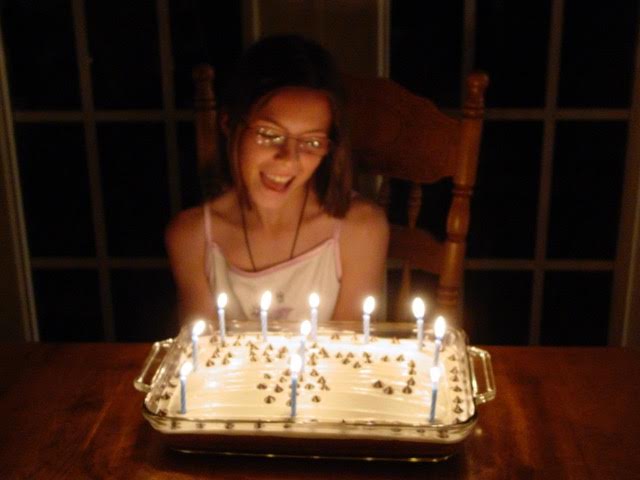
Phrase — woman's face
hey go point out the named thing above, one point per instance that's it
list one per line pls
(283, 144)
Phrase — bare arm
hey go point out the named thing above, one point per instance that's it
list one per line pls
(363, 250)
(185, 242)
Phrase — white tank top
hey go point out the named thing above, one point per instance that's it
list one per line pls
(291, 282)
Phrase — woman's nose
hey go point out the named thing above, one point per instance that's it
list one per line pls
(289, 150)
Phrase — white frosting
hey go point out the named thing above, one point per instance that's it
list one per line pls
(229, 385)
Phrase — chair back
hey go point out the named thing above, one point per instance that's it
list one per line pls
(396, 134)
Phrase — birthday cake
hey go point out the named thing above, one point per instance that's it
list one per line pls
(349, 389)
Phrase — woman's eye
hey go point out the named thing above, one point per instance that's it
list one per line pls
(270, 136)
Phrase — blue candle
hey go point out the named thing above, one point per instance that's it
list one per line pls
(435, 379)
(185, 370)
(439, 328)
(296, 364)
(305, 328)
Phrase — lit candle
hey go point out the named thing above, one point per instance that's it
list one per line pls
(439, 329)
(295, 366)
(314, 302)
(305, 328)
(435, 379)
(419, 308)
(197, 329)
(185, 370)
(367, 308)
(265, 303)
(222, 302)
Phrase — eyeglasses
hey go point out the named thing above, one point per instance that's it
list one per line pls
(272, 138)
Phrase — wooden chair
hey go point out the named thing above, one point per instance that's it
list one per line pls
(398, 135)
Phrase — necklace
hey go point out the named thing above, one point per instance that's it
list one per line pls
(295, 236)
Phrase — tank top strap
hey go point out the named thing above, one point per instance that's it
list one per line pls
(207, 223)
(337, 229)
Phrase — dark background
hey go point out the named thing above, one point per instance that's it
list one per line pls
(511, 44)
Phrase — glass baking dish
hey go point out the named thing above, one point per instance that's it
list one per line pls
(355, 399)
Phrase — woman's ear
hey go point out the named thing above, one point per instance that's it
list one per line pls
(224, 124)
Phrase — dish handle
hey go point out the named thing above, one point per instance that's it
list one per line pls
(144, 382)
(482, 382)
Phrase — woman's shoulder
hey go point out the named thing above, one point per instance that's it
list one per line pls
(182, 228)
(365, 213)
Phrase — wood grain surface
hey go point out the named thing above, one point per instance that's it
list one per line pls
(70, 411)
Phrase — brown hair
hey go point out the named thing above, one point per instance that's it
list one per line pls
(272, 64)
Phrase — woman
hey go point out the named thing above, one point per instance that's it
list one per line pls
(284, 218)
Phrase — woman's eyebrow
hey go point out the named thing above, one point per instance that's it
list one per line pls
(280, 126)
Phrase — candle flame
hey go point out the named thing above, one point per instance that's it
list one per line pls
(222, 300)
(435, 373)
(198, 328)
(440, 327)
(265, 301)
(314, 300)
(296, 363)
(305, 328)
(186, 369)
(369, 305)
(418, 308)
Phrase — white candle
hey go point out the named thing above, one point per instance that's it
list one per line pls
(305, 328)
(222, 302)
(435, 378)
(265, 303)
(314, 302)
(296, 364)
(367, 308)
(197, 329)
(419, 309)
(185, 370)
(439, 328)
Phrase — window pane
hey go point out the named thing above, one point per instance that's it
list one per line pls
(135, 187)
(498, 305)
(144, 305)
(576, 308)
(40, 54)
(189, 181)
(504, 205)
(426, 48)
(203, 31)
(68, 305)
(512, 41)
(125, 59)
(599, 40)
(55, 189)
(586, 190)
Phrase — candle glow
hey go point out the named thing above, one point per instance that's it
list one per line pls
(196, 331)
(419, 309)
(367, 308)
(265, 303)
(222, 302)
(439, 328)
(314, 303)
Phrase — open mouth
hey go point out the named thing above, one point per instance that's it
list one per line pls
(277, 183)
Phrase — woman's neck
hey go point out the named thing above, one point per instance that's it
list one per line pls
(278, 219)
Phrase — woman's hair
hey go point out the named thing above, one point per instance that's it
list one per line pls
(270, 65)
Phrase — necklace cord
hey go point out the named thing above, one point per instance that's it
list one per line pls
(295, 237)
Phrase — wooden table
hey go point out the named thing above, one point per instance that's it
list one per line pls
(70, 411)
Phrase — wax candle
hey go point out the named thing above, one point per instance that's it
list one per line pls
(435, 379)
(367, 308)
(439, 328)
(185, 370)
(419, 308)
(197, 329)
(314, 302)
(295, 365)
(265, 303)
(305, 328)
(222, 302)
